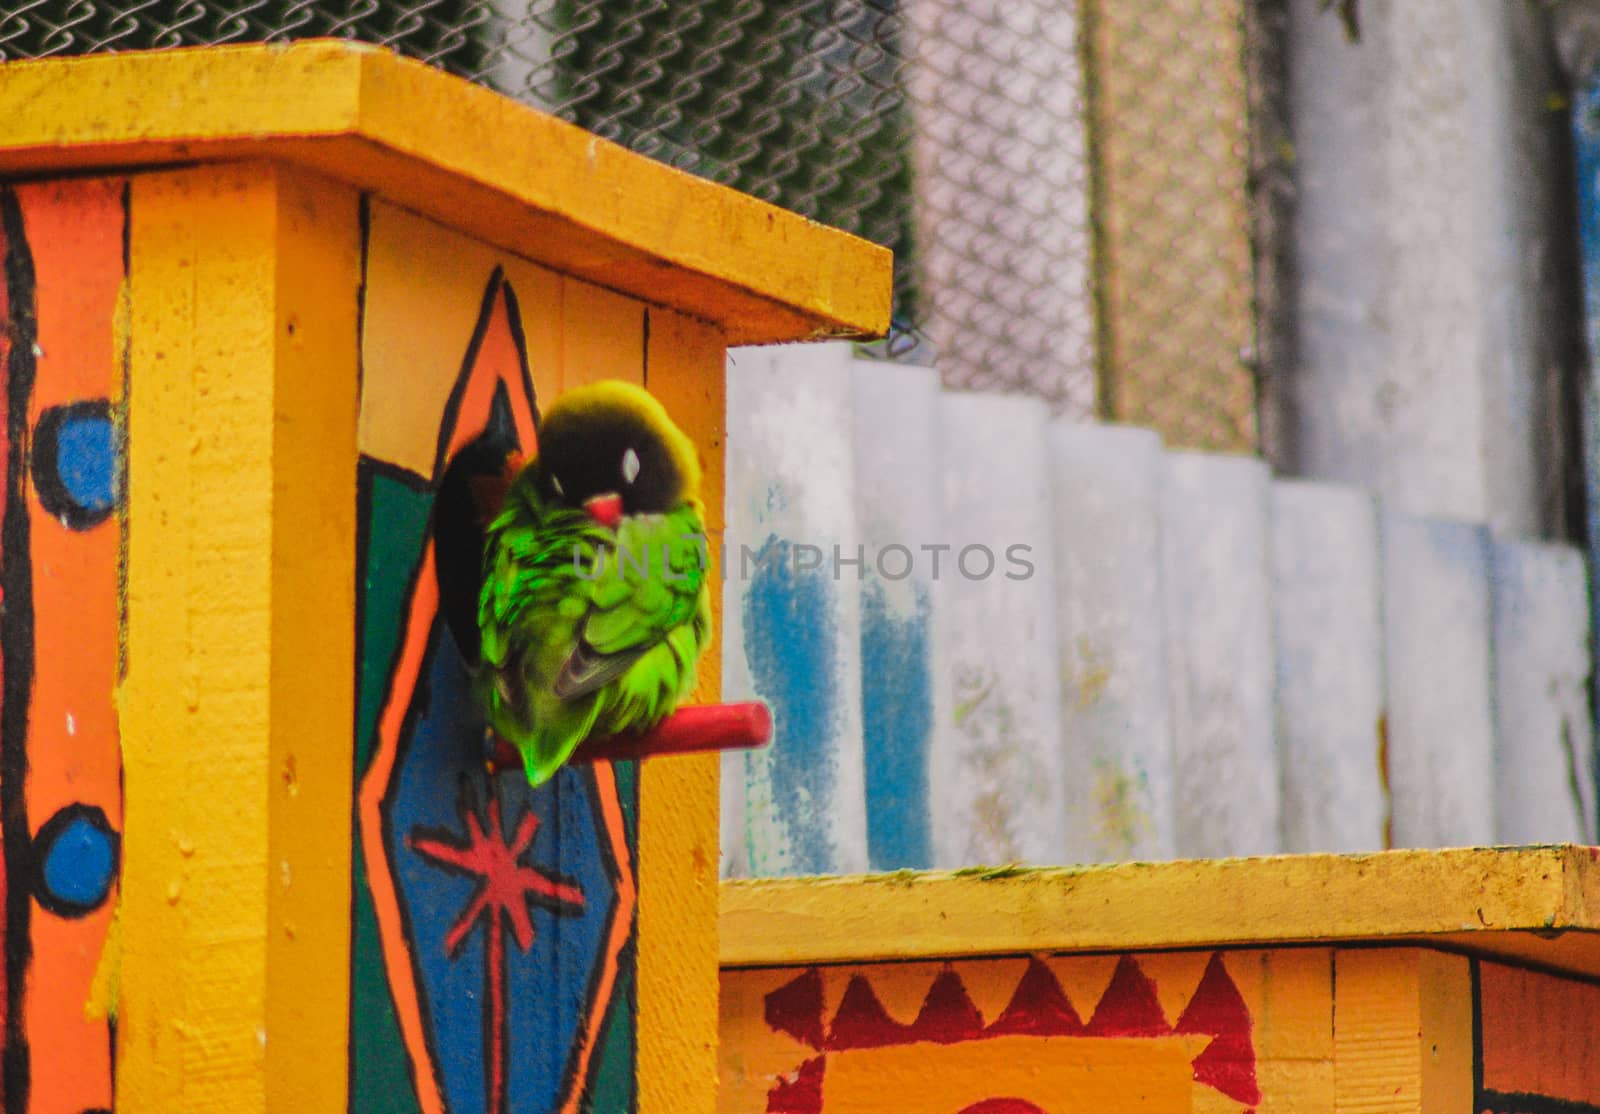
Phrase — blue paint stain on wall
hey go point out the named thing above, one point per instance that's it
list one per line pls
(897, 727)
(77, 854)
(789, 636)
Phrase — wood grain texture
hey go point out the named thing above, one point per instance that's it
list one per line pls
(242, 395)
(1493, 900)
(1402, 1032)
(463, 155)
(1538, 1034)
(678, 836)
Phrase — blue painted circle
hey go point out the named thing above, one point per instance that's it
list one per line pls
(79, 863)
(86, 461)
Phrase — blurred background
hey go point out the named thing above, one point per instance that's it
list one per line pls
(1226, 484)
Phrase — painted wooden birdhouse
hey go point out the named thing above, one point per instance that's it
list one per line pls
(258, 301)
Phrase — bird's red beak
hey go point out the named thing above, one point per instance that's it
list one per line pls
(605, 509)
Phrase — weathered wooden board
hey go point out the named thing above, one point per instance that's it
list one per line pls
(460, 154)
(997, 781)
(1227, 797)
(1431, 328)
(1328, 627)
(1538, 905)
(792, 635)
(1440, 753)
(1544, 731)
(1116, 726)
(903, 694)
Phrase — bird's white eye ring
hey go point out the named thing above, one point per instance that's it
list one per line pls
(630, 466)
(555, 482)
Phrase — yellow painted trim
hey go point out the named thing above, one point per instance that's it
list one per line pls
(475, 160)
(236, 711)
(1533, 904)
(678, 797)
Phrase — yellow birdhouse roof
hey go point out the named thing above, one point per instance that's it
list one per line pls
(460, 154)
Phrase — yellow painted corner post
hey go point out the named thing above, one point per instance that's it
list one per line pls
(678, 835)
(237, 704)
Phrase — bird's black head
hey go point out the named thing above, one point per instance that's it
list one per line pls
(612, 439)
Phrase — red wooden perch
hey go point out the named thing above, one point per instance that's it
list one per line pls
(703, 727)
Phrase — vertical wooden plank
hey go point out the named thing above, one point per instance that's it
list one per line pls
(1294, 1026)
(678, 836)
(1544, 737)
(1115, 719)
(791, 629)
(312, 641)
(241, 465)
(1172, 250)
(73, 234)
(1402, 1032)
(998, 771)
(1215, 545)
(1002, 195)
(1436, 653)
(1432, 329)
(1328, 629)
(903, 696)
(449, 325)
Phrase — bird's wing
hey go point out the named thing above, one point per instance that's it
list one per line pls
(652, 585)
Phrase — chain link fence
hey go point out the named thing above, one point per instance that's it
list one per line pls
(1033, 164)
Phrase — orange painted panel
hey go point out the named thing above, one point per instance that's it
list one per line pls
(61, 568)
(1539, 1034)
(1015, 1075)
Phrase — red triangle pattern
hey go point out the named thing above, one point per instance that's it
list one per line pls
(1218, 1010)
(862, 1022)
(795, 1008)
(1038, 1007)
(947, 1014)
(1129, 1007)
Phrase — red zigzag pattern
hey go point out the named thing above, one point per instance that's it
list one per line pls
(1038, 1007)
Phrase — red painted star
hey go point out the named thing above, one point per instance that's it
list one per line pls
(506, 888)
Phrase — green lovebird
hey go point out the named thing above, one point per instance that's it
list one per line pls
(595, 607)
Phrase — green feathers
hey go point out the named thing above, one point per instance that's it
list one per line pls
(595, 607)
